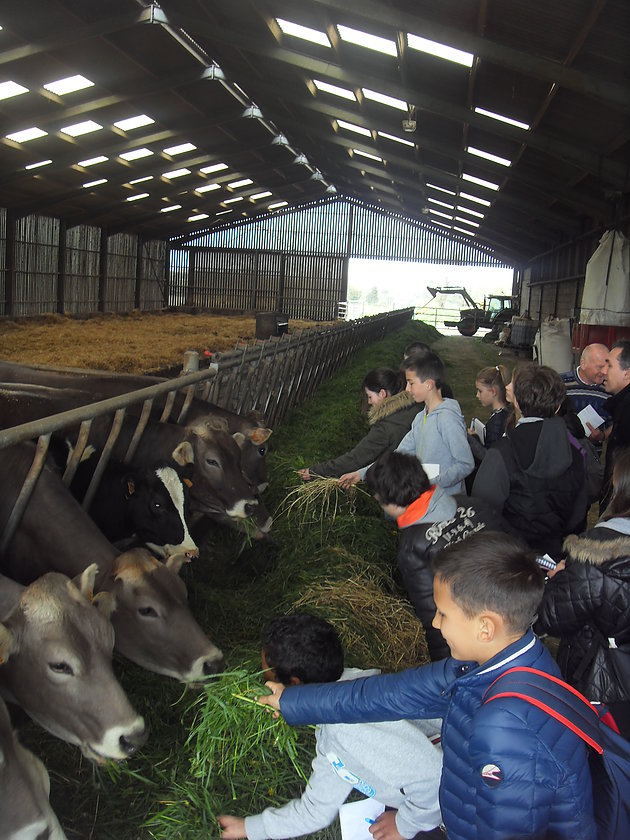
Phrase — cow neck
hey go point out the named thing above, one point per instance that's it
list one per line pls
(417, 509)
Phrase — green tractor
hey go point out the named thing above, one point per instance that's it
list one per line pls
(497, 310)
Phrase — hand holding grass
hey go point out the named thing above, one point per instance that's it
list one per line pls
(348, 479)
(272, 699)
(304, 474)
(233, 827)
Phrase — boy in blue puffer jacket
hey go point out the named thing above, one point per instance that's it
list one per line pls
(510, 771)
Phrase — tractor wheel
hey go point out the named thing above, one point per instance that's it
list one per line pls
(467, 326)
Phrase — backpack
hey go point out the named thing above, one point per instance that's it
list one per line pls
(593, 467)
(609, 753)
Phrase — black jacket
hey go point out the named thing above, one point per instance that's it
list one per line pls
(588, 603)
(459, 517)
(619, 407)
(537, 478)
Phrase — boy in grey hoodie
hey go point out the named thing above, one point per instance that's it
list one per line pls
(397, 762)
(438, 433)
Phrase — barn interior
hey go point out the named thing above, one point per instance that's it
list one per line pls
(205, 156)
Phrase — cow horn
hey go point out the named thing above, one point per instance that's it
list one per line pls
(8, 643)
(105, 602)
(240, 438)
(86, 581)
(176, 561)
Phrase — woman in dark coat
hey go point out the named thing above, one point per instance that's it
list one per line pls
(587, 604)
(390, 413)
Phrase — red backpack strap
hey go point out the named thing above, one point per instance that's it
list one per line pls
(553, 696)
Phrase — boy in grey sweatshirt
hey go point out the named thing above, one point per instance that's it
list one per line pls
(399, 763)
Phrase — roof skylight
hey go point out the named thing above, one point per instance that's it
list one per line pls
(26, 134)
(358, 129)
(326, 87)
(367, 155)
(461, 230)
(198, 217)
(233, 200)
(170, 208)
(277, 204)
(9, 89)
(488, 156)
(134, 122)
(384, 99)
(489, 185)
(68, 85)
(84, 127)
(475, 198)
(439, 50)
(502, 118)
(214, 167)
(94, 183)
(180, 149)
(441, 203)
(137, 197)
(141, 180)
(244, 182)
(176, 173)
(461, 209)
(439, 213)
(441, 189)
(395, 139)
(92, 161)
(136, 154)
(264, 194)
(223, 212)
(466, 221)
(207, 188)
(364, 39)
(315, 36)
(38, 164)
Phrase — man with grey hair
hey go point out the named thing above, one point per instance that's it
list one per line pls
(617, 383)
(584, 387)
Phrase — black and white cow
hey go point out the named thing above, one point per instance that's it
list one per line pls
(218, 487)
(152, 621)
(25, 812)
(56, 644)
(133, 506)
(103, 384)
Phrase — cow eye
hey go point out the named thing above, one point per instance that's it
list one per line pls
(156, 506)
(149, 612)
(211, 462)
(262, 450)
(61, 668)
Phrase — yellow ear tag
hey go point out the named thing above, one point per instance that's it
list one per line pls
(130, 487)
(187, 482)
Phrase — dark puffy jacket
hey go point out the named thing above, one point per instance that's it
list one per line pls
(537, 478)
(588, 603)
(389, 422)
(511, 772)
(457, 518)
(619, 407)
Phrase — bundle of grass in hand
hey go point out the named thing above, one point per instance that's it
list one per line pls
(319, 500)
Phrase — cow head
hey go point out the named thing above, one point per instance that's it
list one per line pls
(255, 448)
(156, 502)
(152, 621)
(25, 813)
(57, 646)
(219, 488)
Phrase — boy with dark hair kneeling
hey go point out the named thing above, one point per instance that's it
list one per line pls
(429, 519)
(510, 770)
(394, 762)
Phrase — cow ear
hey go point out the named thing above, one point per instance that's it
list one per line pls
(259, 435)
(8, 643)
(240, 438)
(105, 603)
(85, 581)
(184, 454)
(176, 561)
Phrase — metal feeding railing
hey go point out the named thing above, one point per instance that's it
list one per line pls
(269, 376)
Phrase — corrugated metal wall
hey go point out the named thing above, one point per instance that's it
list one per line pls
(45, 268)
(297, 261)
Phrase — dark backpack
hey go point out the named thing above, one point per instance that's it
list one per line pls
(609, 753)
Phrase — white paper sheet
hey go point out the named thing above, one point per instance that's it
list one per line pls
(356, 818)
(589, 415)
(479, 429)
